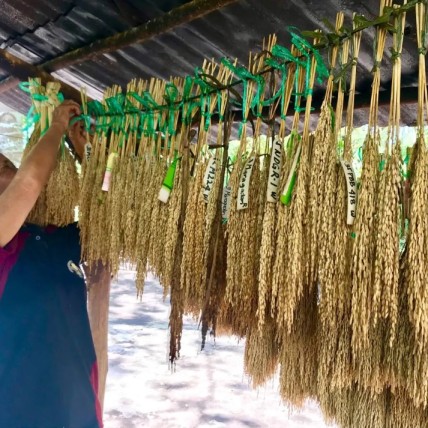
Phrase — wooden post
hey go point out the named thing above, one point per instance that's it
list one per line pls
(98, 309)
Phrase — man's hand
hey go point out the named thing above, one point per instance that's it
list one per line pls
(63, 114)
(78, 137)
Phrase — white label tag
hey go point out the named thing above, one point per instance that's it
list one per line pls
(226, 203)
(209, 178)
(351, 184)
(274, 172)
(88, 151)
(244, 184)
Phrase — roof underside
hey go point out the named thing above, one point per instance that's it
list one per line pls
(39, 30)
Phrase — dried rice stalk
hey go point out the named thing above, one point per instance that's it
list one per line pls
(172, 230)
(280, 291)
(242, 251)
(192, 267)
(418, 228)
(292, 242)
(298, 354)
(158, 220)
(364, 227)
(261, 353)
(322, 191)
(215, 244)
(386, 271)
(363, 252)
(268, 241)
(58, 200)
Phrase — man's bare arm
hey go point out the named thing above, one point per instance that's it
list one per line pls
(20, 196)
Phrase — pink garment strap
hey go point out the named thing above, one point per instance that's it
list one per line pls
(9, 256)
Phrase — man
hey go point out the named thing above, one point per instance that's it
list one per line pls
(48, 370)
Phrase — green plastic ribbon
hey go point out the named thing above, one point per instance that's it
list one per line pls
(205, 98)
(305, 47)
(171, 96)
(245, 75)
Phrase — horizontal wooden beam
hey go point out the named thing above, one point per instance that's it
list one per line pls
(170, 20)
(21, 71)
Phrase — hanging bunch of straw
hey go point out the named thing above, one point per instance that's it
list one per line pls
(387, 258)
(334, 363)
(299, 322)
(322, 191)
(172, 230)
(243, 246)
(364, 229)
(415, 256)
(193, 269)
(322, 196)
(96, 218)
(284, 292)
(262, 347)
(177, 292)
(59, 199)
(268, 241)
(340, 333)
(117, 195)
(215, 231)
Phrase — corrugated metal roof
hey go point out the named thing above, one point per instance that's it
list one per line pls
(40, 30)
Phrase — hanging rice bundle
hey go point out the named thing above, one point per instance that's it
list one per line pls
(298, 352)
(340, 332)
(93, 168)
(290, 268)
(283, 293)
(322, 191)
(334, 362)
(174, 206)
(104, 157)
(172, 230)
(177, 292)
(364, 247)
(158, 218)
(116, 198)
(145, 198)
(135, 168)
(243, 248)
(387, 258)
(94, 246)
(418, 228)
(299, 324)
(58, 200)
(192, 267)
(193, 270)
(214, 279)
(415, 255)
(242, 292)
(215, 234)
(268, 240)
(261, 353)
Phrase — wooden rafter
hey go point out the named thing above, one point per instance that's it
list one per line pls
(21, 70)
